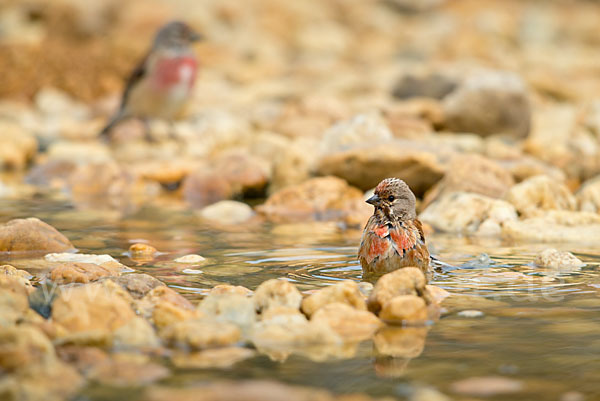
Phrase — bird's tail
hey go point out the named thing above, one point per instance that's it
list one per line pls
(117, 118)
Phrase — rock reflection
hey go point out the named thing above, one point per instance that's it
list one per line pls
(395, 346)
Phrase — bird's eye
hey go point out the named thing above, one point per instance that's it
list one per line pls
(391, 198)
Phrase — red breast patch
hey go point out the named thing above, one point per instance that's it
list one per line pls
(173, 70)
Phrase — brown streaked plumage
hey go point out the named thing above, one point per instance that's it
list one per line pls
(393, 237)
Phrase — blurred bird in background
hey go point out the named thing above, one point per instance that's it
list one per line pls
(161, 84)
(393, 237)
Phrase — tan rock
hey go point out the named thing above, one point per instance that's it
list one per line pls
(468, 213)
(418, 164)
(21, 275)
(294, 164)
(540, 193)
(165, 306)
(52, 381)
(165, 314)
(91, 313)
(108, 186)
(219, 358)
(588, 196)
(138, 284)
(81, 273)
(270, 335)
(32, 234)
(247, 175)
(283, 315)
(231, 308)
(349, 323)
(200, 334)
(405, 281)
(22, 346)
(553, 259)
(346, 292)
(475, 174)
(13, 299)
(142, 251)
(204, 187)
(18, 146)
(227, 212)
(137, 333)
(360, 129)
(438, 294)
(488, 103)
(555, 226)
(276, 293)
(190, 259)
(222, 289)
(404, 308)
(323, 198)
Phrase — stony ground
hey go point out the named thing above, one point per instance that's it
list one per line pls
(489, 110)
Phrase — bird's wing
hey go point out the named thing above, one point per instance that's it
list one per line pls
(136, 76)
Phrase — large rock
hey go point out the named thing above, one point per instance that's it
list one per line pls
(418, 164)
(13, 299)
(227, 212)
(91, 313)
(247, 174)
(405, 281)
(554, 259)
(18, 146)
(404, 309)
(358, 130)
(232, 308)
(165, 306)
(434, 85)
(32, 234)
(276, 293)
(468, 213)
(200, 334)
(473, 173)
(488, 103)
(349, 323)
(82, 273)
(108, 185)
(323, 198)
(346, 292)
(31, 370)
(540, 193)
(555, 226)
(204, 187)
(588, 196)
(138, 284)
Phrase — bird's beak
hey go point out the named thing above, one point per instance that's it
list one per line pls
(196, 37)
(373, 200)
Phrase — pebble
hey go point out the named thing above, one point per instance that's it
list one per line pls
(190, 259)
(470, 313)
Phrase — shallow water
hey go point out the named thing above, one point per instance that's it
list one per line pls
(538, 326)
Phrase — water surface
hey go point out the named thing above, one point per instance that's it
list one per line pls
(538, 326)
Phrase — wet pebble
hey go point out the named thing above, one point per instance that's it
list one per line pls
(487, 386)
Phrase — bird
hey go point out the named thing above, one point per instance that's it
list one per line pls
(162, 82)
(393, 236)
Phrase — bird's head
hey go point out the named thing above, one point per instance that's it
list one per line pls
(176, 34)
(394, 199)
